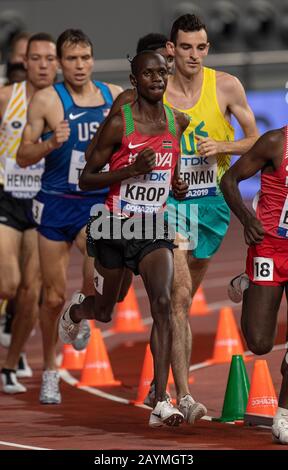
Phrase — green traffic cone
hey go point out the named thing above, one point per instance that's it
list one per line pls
(237, 391)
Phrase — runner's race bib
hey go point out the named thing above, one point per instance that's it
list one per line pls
(283, 224)
(263, 269)
(77, 164)
(200, 173)
(145, 193)
(22, 179)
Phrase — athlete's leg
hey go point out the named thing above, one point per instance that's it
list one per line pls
(88, 264)
(198, 269)
(126, 283)
(259, 316)
(10, 275)
(156, 270)
(100, 306)
(54, 257)
(283, 396)
(27, 299)
(181, 331)
(259, 321)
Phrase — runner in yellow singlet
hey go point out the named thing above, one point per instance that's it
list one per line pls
(210, 98)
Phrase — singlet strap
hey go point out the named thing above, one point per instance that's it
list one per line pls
(64, 95)
(128, 119)
(171, 120)
(106, 92)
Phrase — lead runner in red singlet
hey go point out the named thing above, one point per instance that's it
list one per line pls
(141, 144)
(267, 259)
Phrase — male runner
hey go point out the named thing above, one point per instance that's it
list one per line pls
(151, 42)
(141, 145)
(267, 258)
(209, 97)
(67, 116)
(15, 72)
(19, 260)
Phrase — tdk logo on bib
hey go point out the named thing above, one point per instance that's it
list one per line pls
(187, 161)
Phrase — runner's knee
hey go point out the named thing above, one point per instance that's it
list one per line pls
(53, 300)
(259, 345)
(8, 288)
(161, 307)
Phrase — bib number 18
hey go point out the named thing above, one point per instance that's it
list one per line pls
(263, 269)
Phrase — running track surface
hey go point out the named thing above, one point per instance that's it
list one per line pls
(88, 421)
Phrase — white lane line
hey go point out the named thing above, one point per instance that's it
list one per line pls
(21, 446)
(68, 378)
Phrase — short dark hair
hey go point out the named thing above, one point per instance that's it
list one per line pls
(18, 37)
(74, 37)
(137, 58)
(151, 42)
(187, 23)
(45, 37)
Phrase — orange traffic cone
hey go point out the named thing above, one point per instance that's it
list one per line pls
(97, 369)
(92, 325)
(170, 377)
(72, 359)
(199, 305)
(128, 319)
(228, 341)
(147, 375)
(262, 401)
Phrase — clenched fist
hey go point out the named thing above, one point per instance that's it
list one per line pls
(145, 161)
(61, 134)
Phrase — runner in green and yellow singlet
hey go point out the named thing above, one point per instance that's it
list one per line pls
(210, 98)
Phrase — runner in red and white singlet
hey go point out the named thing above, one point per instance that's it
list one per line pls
(267, 259)
(141, 146)
(146, 193)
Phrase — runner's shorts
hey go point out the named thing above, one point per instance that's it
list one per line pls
(15, 212)
(203, 224)
(117, 251)
(61, 218)
(267, 262)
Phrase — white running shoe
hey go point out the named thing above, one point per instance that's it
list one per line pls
(50, 391)
(10, 383)
(23, 370)
(237, 286)
(69, 331)
(280, 431)
(149, 400)
(165, 413)
(191, 409)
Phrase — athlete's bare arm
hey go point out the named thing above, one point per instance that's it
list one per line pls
(268, 150)
(5, 95)
(179, 187)
(127, 96)
(232, 100)
(42, 117)
(109, 140)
